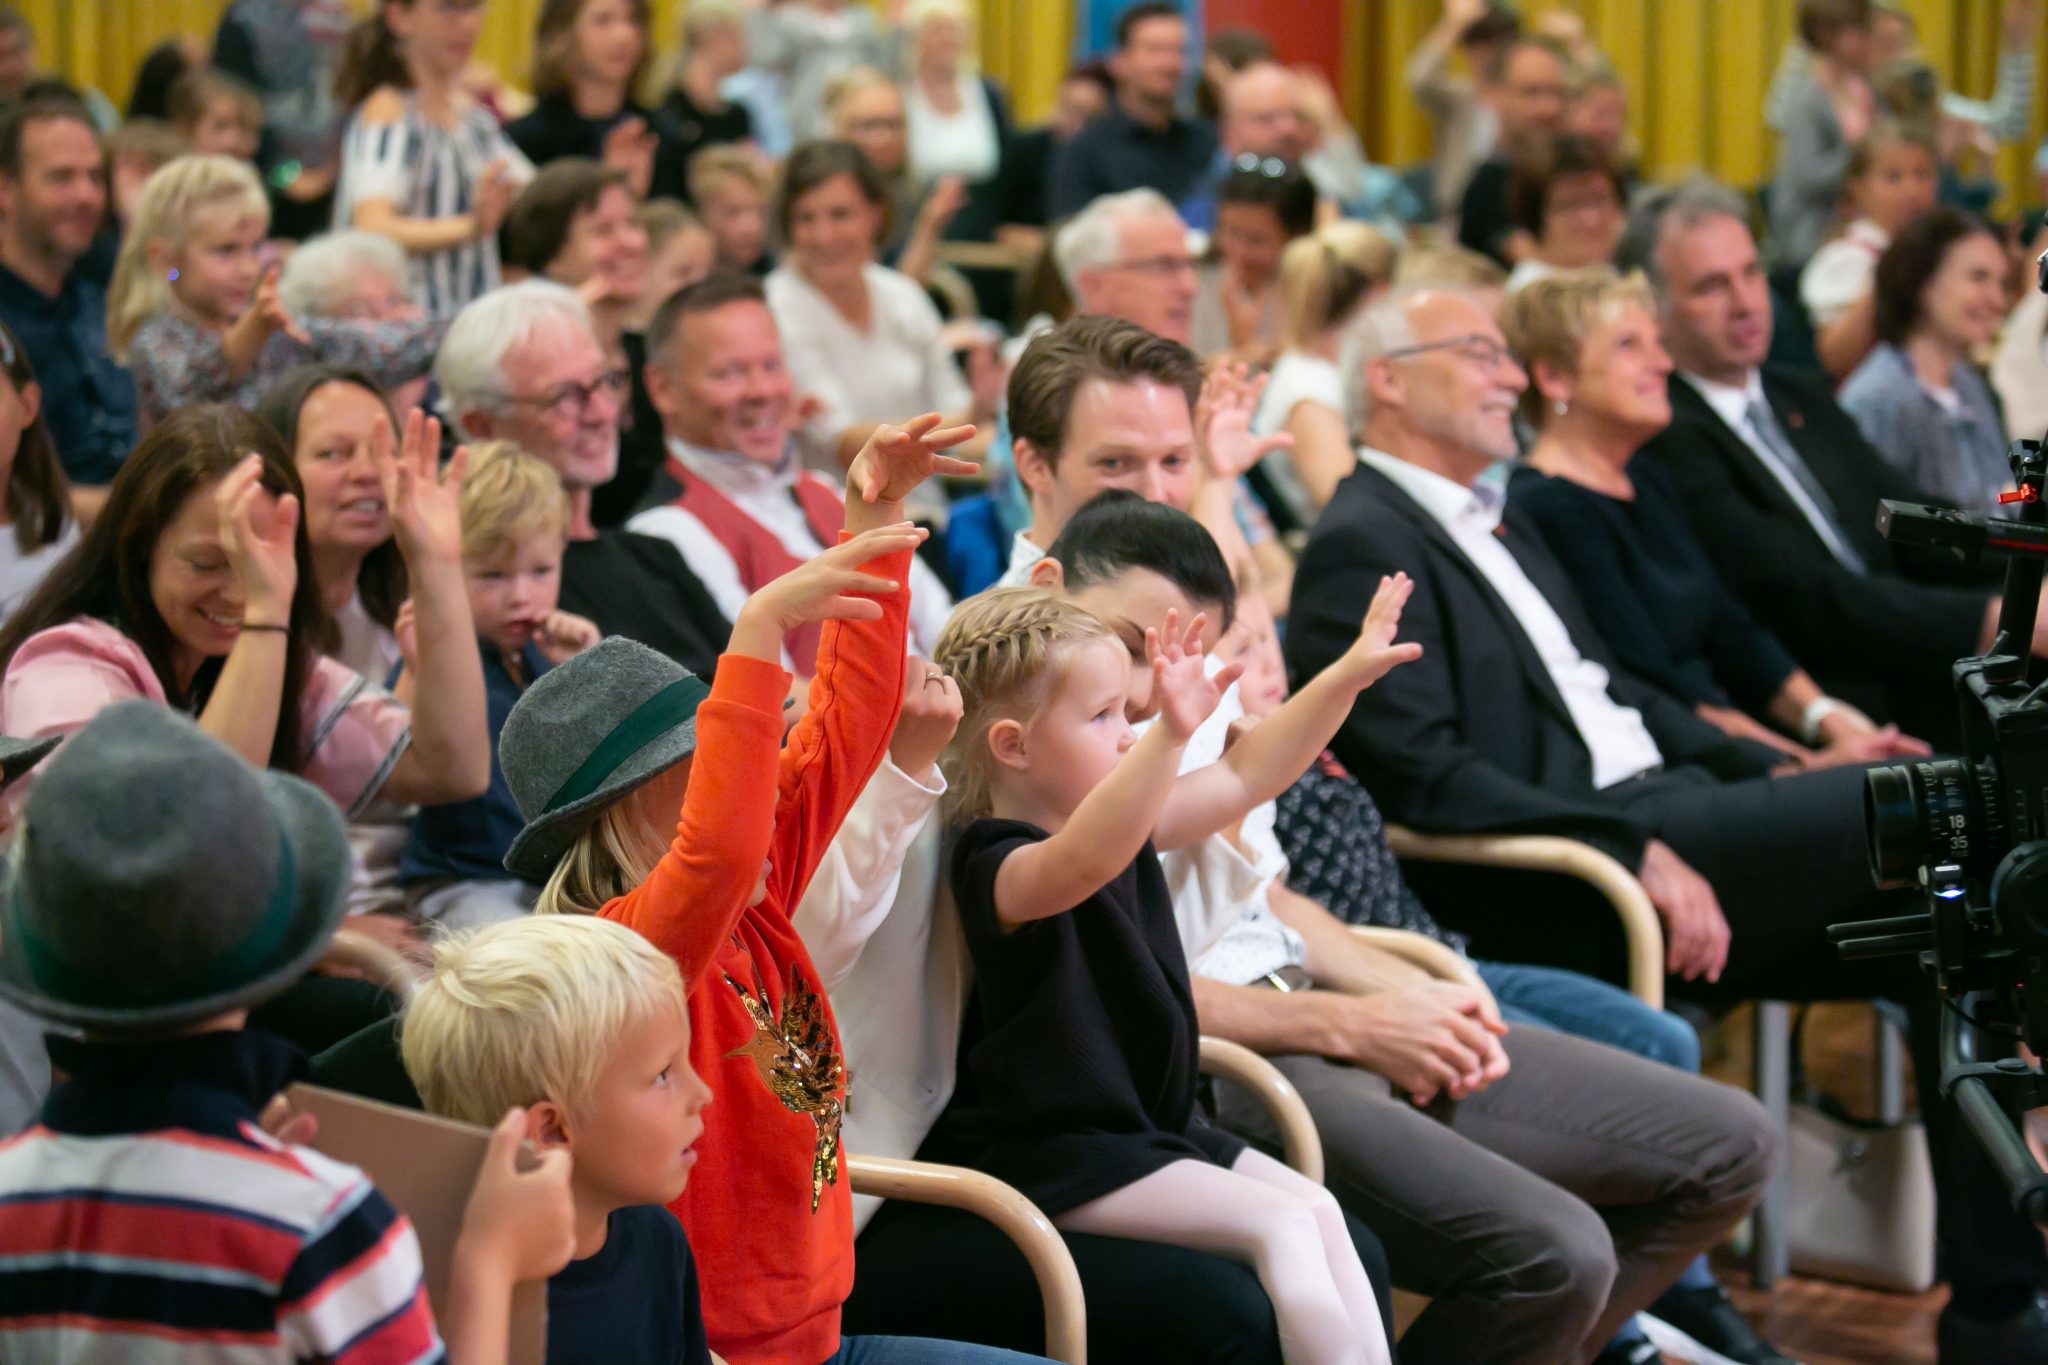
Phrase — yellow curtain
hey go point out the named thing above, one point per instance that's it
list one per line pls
(1697, 69)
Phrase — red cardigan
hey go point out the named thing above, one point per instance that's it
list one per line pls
(767, 1211)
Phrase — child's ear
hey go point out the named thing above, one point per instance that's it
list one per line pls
(1050, 574)
(547, 1125)
(158, 256)
(1006, 744)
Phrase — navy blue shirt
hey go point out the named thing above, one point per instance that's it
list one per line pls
(467, 841)
(88, 400)
(636, 1299)
(1115, 152)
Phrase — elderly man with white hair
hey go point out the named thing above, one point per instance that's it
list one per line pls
(1126, 256)
(352, 275)
(1516, 718)
(521, 364)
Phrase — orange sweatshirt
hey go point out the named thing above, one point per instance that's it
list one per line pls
(767, 1211)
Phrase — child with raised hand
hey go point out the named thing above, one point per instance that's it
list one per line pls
(1079, 1063)
(605, 750)
(515, 527)
(585, 1024)
(193, 309)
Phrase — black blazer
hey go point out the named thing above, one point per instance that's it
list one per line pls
(1473, 737)
(1890, 623)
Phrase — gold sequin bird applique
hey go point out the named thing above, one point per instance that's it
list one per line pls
(798, 1060)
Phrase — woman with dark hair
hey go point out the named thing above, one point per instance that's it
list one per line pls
(1573, 203)
(1919, 396)
(194, 588)
(860, 338)
(36, 506)
(589, 56)
(422, 160)
(1261, 206)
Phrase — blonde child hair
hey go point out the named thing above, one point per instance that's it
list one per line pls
(508, 496)
(1006, 649)
(663, 220)
(172, 201)
(715, 165)
(530, 1010)
(1326, 275)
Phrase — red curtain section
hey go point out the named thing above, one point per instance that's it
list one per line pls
(1300, 30)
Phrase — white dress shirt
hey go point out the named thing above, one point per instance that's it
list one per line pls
(1614, 734)
(1733, 405)
(767, 494)
(1024, 553)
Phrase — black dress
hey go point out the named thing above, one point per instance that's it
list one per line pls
(1653, 593)
(553, 129)
(1077, 1062)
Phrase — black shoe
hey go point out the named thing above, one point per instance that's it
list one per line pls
(1629, 1353)
(1714, 1331)
(2018, 1340)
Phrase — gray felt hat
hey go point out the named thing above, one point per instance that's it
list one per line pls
(615, 716)
(159, 880)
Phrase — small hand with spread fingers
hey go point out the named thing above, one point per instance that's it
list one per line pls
(1223, 422)
(829, 587)
(897, 459)
(1186, 692)
(629, 147)
(425, 499)
(259, 536)
(1374, 654)
(264, 318)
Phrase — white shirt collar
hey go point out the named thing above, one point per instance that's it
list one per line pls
(733, 473)
(1023, 554)
(1451, 504)
(1729, 402)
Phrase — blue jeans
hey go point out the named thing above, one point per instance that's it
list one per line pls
(1585, 1007)
(922, 1351)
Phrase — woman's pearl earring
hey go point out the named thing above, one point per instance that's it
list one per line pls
(1560, 407)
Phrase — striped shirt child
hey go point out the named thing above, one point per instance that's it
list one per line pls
(429, 171)
(147, 1218)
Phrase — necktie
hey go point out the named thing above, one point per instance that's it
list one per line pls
(1798, 481)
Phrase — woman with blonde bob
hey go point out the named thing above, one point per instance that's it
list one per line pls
(1597, 373)
(1326, 280)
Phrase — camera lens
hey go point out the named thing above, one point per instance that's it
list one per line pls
(1917, 814)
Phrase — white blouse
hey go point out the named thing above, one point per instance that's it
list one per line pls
(962, 144)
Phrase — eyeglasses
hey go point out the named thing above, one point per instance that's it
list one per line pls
(1481, 350)
(1159, 266)
(572, 400)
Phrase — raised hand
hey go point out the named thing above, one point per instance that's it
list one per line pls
(493, 195)
(264, 318)
(1223, 422)
(897, 459)
(822, 589)
(930, 714)
(1374, 654)
(259, 535)
(948, 196)
(630, 147)
(564, 635)
(425, 500)
(1186, 693)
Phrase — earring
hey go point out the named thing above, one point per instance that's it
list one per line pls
(1560, 407)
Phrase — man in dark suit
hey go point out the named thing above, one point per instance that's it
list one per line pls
(1783, 490)
(1515, 719)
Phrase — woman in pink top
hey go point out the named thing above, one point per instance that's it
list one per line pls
(194, 588)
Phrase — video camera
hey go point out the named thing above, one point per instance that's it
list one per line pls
(1972, 833)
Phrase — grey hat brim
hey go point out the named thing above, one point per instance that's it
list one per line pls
(323, 869)
(17, 756)
(546, 838)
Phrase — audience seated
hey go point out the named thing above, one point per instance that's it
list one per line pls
(1919, 398)
(1573, 204)
(1516, 719)
(217, 115)
(1466, 125)
(679, 253)
(807, 43)
(287, 54)
(171, 892)
(959, 120)
(1783, 491)
(1889, 182)
(1085, 94)
(864, 342)
(194, 312)
(522, 364)
(1823, 118)
(1261, 206)
(52, 197)
(1597, 391)
(581, 1026)
(1142, 140)
(34, 496)
(733, 497)
(1326, 279)
(1525, 84)
(1596, 107)
(590, 57)
(422, 160)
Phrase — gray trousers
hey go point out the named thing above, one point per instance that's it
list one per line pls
(1542, 1213)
